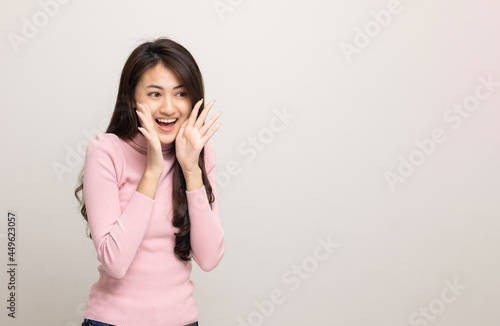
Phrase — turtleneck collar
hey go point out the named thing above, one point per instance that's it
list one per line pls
(140, 143)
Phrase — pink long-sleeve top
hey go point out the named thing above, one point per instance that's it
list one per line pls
(141, 281)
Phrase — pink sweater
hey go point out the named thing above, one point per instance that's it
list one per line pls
(141, 281)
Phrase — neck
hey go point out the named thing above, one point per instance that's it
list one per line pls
(140, 143)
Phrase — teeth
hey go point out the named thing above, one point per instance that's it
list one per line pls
(166, 120)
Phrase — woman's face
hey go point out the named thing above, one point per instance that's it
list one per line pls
(166, 97)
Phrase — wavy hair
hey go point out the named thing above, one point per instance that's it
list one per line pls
(124, 123)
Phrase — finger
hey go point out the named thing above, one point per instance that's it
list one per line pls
(203, 115)
(180, 134)
(194, 113)
(209, 123)
(147, 115)
(142, 116)
(147, 119)
(145, 133)
(210, 133)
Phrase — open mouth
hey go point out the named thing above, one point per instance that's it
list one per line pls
(166, 124)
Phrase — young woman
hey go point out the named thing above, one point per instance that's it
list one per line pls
(149, 193)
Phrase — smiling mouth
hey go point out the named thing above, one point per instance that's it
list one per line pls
(164, 125)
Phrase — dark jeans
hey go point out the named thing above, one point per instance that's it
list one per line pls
(90, 322)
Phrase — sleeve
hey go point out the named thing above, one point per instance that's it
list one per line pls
(207, 236)
(116, 235)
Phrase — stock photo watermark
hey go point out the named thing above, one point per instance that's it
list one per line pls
(222, 7)
(254, 144)
(75, 156)
(30, 27)
(364, 36)
(11, 266)
(437, 306)
(427, 146)
(80, 312)
(292, 277)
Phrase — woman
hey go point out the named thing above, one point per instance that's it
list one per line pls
(149, 193)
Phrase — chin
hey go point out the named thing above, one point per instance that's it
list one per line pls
(166, 140)
(170, 137)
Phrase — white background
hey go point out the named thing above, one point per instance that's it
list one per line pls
(322, 176)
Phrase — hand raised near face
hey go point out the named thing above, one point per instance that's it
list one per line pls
(193, 135)
(155, 156)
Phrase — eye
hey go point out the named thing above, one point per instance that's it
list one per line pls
(182, 94)
(156, 94)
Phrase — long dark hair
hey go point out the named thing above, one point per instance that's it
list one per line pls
(124, 123)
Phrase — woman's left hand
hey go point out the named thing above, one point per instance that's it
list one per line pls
(193, 136)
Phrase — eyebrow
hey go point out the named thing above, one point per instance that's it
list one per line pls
(159, 87)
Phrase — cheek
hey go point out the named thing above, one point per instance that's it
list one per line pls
(186, 112)
(182, 118)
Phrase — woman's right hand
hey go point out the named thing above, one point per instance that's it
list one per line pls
(155, 156)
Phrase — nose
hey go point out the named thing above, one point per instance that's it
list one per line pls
(167, 106)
